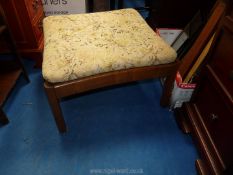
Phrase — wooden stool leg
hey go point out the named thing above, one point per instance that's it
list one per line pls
(168, 87)
(56, 109)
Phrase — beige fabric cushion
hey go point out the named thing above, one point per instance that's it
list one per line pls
(82, 45)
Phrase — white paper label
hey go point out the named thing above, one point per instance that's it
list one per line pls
(61, 7)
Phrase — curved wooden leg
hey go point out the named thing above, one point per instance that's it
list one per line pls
(55, 106)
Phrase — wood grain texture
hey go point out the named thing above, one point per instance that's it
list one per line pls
(56, 109)
(208, 30)
(58, 90)
(24, 19)
(210, 111)
(10, 70)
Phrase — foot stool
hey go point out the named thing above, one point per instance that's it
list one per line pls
(83, 52)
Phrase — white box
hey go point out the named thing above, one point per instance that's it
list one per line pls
(169, 34)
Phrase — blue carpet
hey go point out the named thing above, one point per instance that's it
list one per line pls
(119, 130)
(112, 131)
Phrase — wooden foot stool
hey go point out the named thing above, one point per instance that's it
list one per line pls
(88, 51)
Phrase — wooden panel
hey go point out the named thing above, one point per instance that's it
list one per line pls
(38, 26)
(218, 118)
(24, 20)
(190, 57)
(210, 112)
(34, 7)
(11, 13)
(221, 61)
(211, 162)
(114, 78)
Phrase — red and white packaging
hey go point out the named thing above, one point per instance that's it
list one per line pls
(182, 92)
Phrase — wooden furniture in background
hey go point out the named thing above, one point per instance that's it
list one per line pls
(209, 116)
(24, 18)
(10, 70)
(207, 32)
(175, 13)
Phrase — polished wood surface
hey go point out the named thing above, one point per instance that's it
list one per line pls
(54, 102)
(190, 57)
(59, 90)
(24, 18)
(10, 69)
(210, 113)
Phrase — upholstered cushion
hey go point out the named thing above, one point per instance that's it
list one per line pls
(82, 45)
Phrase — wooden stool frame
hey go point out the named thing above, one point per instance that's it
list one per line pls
(56, 91)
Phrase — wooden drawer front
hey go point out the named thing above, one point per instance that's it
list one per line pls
(222, 56)
(218, 119)
(34, 7)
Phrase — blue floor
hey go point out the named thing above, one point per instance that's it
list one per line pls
(112, 131)
(120, 130)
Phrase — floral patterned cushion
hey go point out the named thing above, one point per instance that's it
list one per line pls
(82, 45)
